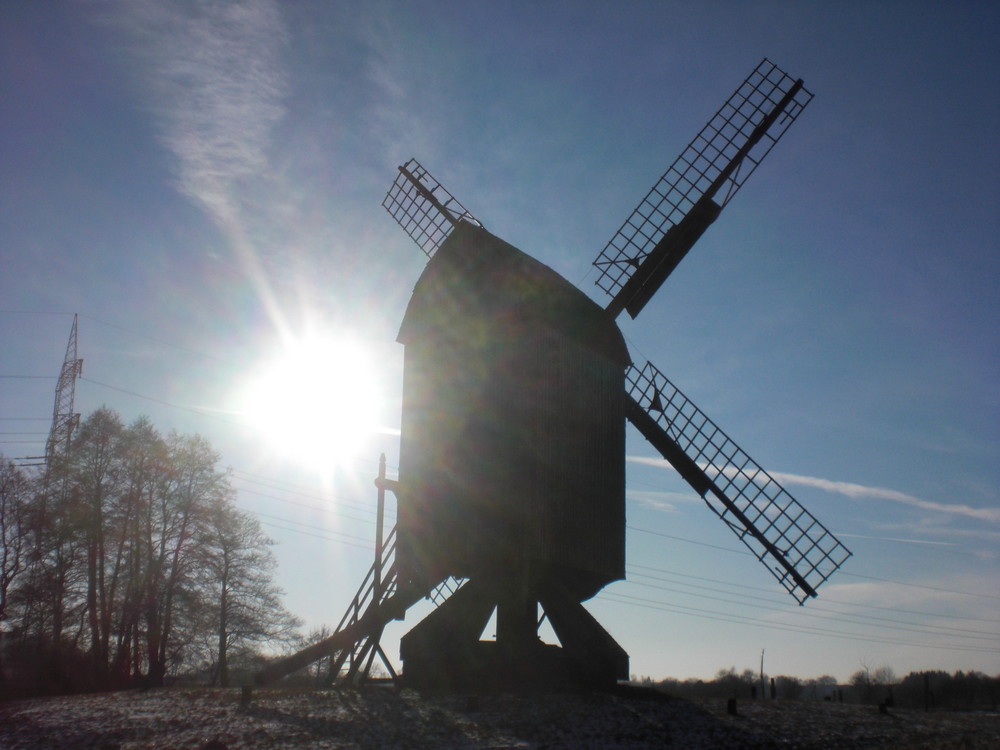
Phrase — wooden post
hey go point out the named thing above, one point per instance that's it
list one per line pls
(763, 687)
(379, 521)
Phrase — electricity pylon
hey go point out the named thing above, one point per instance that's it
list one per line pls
(64, 419)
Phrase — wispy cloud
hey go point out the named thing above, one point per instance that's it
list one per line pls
(659, 463)
(936, 594)
(405, 118)
(214, 79)
(857, 491)
(852, 490)
(986, 554)
(666, 502)
(217, 85)
(901, 540)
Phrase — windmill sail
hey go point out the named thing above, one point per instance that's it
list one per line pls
(697, 186)
(796, 548)
(423, 207)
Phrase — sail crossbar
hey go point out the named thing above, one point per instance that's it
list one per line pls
(424, 208)
(798, 550)
(709, 171)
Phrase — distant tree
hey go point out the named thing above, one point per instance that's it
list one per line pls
(123, 556)
(238, 578)
(788, 687)
(728, 683)
(170, 538)
(51, 592)
(819, 688)
(884, 676)
(96, 468)
(14, 489)
(861, 681)
(145, 467)
(871, 684)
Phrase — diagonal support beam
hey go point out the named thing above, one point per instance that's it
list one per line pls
(794, 546)
(373, 620)
(697, 186)
(699, 480)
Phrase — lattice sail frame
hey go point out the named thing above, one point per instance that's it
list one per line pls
(422, 206)
(768, 520)
(712, 165)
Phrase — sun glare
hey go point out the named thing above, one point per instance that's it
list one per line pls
(316, 402)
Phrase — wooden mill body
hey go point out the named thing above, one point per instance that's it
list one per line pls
(512, 461)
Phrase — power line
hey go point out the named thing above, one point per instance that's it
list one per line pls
(191, 409)
(945, 631)
(273, 525)
(726, 617)
(633, 528)
(839, 572)
(355, 541)
(832, 616)
(708, 614)
(307, 506)
(34, 312)
(188, 350)
(120, 328)
(630, 527)
(921, 586)
(340, 536)
(825, 599)
(691, 541)
(282, 486)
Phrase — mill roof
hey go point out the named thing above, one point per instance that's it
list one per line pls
(477, 282)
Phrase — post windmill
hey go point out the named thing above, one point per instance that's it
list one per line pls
(517, 389)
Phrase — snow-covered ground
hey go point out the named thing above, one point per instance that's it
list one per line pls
(384, 718)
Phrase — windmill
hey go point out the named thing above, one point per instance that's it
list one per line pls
(517, 389)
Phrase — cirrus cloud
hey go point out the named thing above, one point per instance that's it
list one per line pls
(857, 491)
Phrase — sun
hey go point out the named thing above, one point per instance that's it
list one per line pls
(316, 401)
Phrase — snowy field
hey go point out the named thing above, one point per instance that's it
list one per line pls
(384, 718)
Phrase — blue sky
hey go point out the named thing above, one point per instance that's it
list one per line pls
(201, 183)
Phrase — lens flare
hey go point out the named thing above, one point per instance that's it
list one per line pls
(316, 402)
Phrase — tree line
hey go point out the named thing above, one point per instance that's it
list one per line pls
(923, 690)
(126, 560)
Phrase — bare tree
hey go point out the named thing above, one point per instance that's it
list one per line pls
(884, 676)
(243, 595)
(181, 508)
(124, 554)
(96, 467)
(13, 527)
(145, 463)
